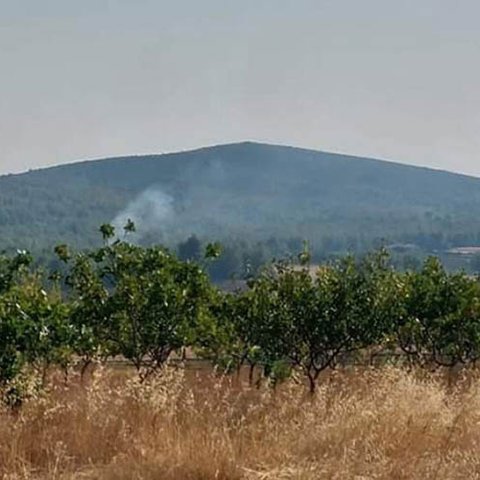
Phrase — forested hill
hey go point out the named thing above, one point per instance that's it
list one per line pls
(247, 190)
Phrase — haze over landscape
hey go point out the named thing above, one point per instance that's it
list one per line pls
(239, 240)
(98, 78)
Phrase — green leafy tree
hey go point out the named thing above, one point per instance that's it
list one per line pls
(190, 249)
(232, 342)
(440, 322)
(89, 314)
(139, 303)
(313, 320)
(12, 268)
(155, 304)
(34, 332)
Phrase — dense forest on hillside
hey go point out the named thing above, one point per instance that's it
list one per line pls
(259, 200)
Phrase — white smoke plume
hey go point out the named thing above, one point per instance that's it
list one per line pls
(150, 211)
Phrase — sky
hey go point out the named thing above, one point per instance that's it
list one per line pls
(392, 79)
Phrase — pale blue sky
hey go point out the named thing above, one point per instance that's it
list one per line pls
(395, 79)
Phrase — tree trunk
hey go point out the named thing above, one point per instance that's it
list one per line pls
(251, 372)
(312, 383)
(83, 370)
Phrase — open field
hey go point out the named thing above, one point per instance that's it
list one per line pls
(381, 423)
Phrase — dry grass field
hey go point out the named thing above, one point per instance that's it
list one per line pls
(381, 423)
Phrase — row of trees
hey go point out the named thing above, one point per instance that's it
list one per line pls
(143, 304)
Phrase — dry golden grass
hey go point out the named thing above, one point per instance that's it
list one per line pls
(369, 424)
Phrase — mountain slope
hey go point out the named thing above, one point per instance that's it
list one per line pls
(247, 189)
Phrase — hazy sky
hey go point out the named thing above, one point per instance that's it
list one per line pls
(395, 79)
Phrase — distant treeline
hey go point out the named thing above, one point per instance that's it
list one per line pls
(242, 259)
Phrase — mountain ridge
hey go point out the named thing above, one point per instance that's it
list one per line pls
(253, 143)
(246, 190)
